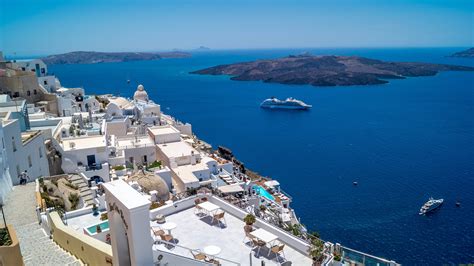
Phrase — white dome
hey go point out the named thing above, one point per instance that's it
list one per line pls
(140, 94)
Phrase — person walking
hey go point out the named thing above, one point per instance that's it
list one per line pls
(24, 178)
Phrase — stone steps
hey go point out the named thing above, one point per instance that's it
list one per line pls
(36, 246)
(84, 190)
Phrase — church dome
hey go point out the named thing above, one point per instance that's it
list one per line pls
(140, 94)
(149, 182)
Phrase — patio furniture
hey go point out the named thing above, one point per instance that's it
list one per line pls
(198, 255)
(257, 243)
(263, 236)
(160, 218)
(169, 226)
(198, 209)
(247, 230)
(219, 217)
(157, 231)
(277, 249)
(168, 239)
(209, 207)
(212, 251)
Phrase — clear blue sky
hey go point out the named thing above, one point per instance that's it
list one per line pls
(45, 26)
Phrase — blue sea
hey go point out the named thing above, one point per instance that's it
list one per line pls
(402, 142)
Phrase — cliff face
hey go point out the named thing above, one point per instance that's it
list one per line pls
(101, 57)
(327, 70)
(466, 53)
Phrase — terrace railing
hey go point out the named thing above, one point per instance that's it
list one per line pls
(350, 255)
(188, 251)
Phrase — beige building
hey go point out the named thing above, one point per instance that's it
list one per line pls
(24, 84)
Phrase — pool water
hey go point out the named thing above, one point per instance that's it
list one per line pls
(263, 192)
(93, 229)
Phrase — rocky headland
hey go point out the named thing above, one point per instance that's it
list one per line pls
(327, 70)
(81, 57)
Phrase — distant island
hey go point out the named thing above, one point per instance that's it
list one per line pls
(466, 53)
(81, 57)
(327, 70)
(202, 48)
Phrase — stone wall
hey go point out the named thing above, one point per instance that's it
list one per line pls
(11, 255)
(89, 250)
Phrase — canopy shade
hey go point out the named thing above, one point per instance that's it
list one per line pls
(231, 189)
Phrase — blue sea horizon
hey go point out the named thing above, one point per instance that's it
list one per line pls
(402, 142)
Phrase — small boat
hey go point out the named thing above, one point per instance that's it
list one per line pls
(355, 183)
(431, 205)
(290, 103)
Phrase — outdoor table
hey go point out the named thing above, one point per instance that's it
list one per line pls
(169, 226)
(209, 207)
(264, 235)
(212, 251)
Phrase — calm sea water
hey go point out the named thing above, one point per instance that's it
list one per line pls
(402, 142)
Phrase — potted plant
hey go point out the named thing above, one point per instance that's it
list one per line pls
(249, 219)
(316, 251)
(95, 209)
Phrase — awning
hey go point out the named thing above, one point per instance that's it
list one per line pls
(272, 183)
(190, 141)
(231, 189)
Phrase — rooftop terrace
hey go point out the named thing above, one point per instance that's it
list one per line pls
(197, 231)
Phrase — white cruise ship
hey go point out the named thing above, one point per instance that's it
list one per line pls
(290, 103)
(430, 205)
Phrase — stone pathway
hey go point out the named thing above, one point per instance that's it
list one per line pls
(36, 247)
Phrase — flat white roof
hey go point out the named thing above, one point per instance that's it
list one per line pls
(124, 193)
(84, 142)
(176, 149)
(163, 130)
(186, 172)
(132, 142)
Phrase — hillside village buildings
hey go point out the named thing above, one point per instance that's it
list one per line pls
(162, 194)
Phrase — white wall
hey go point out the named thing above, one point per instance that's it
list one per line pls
(5, 179)
(166, 175)
(31, 151)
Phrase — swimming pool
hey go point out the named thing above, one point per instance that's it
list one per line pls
(263, 192)
(93, 229)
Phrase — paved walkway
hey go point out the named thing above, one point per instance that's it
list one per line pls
(36, 247)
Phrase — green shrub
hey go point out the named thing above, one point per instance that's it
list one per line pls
(118, 167)
(104, 216)
(154, 164)
(41, 180)
(155, 205)
(74, 199)
(249, 219)
(5, 239)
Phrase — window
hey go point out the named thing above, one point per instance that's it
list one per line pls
(43, 70)
(45, 82)
(23, 69)
(40, 153)
(35, 92)
(16, 94)
(13, 144)
(28, 93)
(29, 161)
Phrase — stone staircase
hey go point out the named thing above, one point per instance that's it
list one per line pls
(36, 247)
(85, 191)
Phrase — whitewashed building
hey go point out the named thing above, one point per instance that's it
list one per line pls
(87, 155)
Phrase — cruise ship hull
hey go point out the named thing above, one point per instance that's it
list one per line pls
(286, 107)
